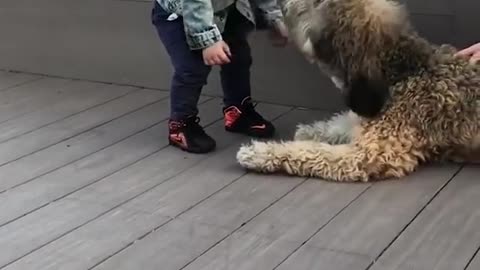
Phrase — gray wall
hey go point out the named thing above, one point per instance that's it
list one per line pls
(113, 40)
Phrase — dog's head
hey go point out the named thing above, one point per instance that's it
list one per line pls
(349, 39)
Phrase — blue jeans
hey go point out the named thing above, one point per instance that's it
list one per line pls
(190, 72)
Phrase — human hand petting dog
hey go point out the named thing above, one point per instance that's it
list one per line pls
(472, 52)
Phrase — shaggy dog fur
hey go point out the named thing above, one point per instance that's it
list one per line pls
(410, 101)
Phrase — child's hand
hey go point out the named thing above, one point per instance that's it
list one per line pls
(278, 34)
(473, 52)
(217, 54)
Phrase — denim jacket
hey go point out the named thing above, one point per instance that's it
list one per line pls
(204, 20)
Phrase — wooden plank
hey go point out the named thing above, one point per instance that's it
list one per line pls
(56, 132)
(368, 225)
(93, 229)
(319, 258)
(273, 235)
(376, 218)
(445, 235)
(52, 186)
(29, 97)
(204, 165)
(229, 250)
(91, 244)
(208, 222)
(9, 80)
(74, 211)
(388, 198)
(81, 145)
(475, 263)
(116, 189)
(119, 238)
(81, 96)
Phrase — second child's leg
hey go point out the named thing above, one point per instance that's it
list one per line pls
(240, 115)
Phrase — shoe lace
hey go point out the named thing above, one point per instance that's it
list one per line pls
(250, 111)
(193, 126)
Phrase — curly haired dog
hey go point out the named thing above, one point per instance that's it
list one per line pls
(410, 101)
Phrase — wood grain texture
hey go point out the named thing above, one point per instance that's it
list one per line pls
(475, 263)
(105, 195)
(316, 258)
(374, 220)
(159, 168)
(273, 235)
(214, 218)
(112, 195)
(78, 213)
(134, 180)
(57, 183)
(9, 80)
(81, 96)
(64, 152)
(56, 132)
(90, 245)
(445, 235)
(26, 98)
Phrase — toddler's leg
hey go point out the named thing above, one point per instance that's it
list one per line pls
(190, 72)
(190, 75)
(240, 115)
(235, 76)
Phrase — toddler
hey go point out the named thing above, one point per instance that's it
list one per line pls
(198, 34)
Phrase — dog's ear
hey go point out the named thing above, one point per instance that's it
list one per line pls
(366, 96)
(367, 89)
(366, 32)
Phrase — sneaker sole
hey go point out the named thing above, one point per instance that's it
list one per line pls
(192, 151)
(251, 134)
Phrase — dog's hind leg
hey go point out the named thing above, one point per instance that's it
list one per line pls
(344, 162)
(470, 154)
(337, 130)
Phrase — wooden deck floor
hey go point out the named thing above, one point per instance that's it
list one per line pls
(88, 182)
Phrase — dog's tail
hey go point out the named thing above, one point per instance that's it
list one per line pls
(346, 163)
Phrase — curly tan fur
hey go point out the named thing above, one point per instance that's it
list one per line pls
(412, 102)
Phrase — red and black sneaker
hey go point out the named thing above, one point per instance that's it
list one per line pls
(244, 119)
(189, 136)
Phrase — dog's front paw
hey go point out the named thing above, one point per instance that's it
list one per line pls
(257, 156)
